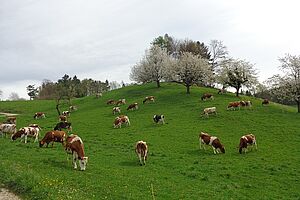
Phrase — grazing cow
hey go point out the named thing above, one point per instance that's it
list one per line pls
(63, 125)
(133, 106)
(8, 129)
(245, 103)
(233, 105)
(62, 118)
(121, 120)
(74, 146)
(11, 120)
(211, 110)
(72, 108)
(53, 136)
(141, 150)
(120, 102)
(245, 141)
(25, 132)
(66, 113)
(149, 98)
(98, 95)
(265, 102)
(221, 91)
(159, 119)
(212, 141)
(207, 96)
(116, 110)
(110, 102)
(39, 115)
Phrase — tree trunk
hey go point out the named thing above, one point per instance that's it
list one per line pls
(158, 83)
(57, 107)
(188, 89)
(237, 91)
(298, 103)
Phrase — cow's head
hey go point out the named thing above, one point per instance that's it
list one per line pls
(41, 143)
(18, 134)
(222, 148)
(82, 163)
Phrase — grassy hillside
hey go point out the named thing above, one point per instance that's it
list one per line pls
(176, 168)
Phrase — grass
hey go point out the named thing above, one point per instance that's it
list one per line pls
(176, 168)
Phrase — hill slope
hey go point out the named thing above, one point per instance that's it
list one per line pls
(176, 168)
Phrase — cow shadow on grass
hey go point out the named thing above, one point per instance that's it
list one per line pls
(129, 163)
(65, 164)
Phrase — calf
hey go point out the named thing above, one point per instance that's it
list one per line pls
(211, 110)
(121, 120)
(63, 125)
(110, 102)
(212, 141)
(141, 150)
(74, 146)
(245, 141)
(207, 96)
(116, 110)
(265, 102)
(133, 106)
(11, 120)
(72, 108)
(53, 136)
(8, 129)
(25, 132)
(149, 98)
(62, 118)
(120, 102)
(66, 113)
(233, 105)
(159, 119)
(39, 115)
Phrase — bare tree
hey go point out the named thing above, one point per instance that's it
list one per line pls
(14, 96)
(237, 73)
(190, 69)
(218, 53)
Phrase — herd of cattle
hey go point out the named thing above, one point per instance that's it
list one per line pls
(74, 145)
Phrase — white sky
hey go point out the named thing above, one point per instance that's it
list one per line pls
(102, 39)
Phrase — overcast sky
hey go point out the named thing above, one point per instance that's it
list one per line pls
(102, 39)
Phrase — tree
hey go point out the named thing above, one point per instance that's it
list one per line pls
(1, 93)
(237, 73)
(32, 91)
(287, 87)
(151, 67)
(218, 53)
(190, 69)
(196, 48)
(14, 96)
(47, 90)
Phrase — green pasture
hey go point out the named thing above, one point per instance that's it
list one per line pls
(176, 168)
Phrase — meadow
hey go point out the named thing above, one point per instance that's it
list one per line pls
(176, 168)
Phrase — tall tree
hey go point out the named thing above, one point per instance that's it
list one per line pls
(196, 48)
(32, 91)
(218, 53)
(237, 73)
(190, 69)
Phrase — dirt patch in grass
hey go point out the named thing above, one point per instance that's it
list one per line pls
(5, 195)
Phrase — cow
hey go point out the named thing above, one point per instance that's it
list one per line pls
(63, 125)
(66, 113)
(211, 110)
(149, 98)
(53, 136)
(159, 119)
(265, 102)
(245, 103)
(245, 141)
(212, 141)
(72, 108)
(98, 95)
(39, 115)
(120, 102)
(25, 132)
(121, 120)
(110, 102)
(74, 146)
(233, 105)
(133, 106)
(116, 110)
(207, 96)
(8, 129)
(11, 120)
(221, 91)
(141, 149)
(62, 118)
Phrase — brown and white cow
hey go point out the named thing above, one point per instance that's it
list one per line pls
(63, 125)
(133, 106)
(233, 105)
(72, 108)
(110, 102)
(120, 102)
(207, 96)
(121, 120)
(245, 103)
(39, 115)
(27, 132)
(8, 129)
(53, 136)
(11, 120)
(66, 113)
(265, 102)
(62, 118)
(212, 141)
(208, 111)
(149, 98)
(245, 141)
(141, 149)
(74, 146)
(116, 110)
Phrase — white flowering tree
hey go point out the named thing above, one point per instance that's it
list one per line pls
(151, 67)
(237, 73)
(189, 69)
(287, 87)
(218, 52)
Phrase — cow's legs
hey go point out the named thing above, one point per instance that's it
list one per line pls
(214, 150)
(36, 138)
(74, 160)
(140, 158)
